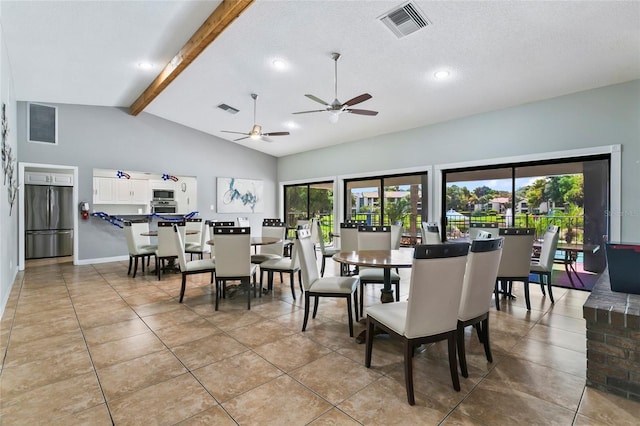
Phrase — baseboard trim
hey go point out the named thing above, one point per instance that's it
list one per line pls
(101, 260)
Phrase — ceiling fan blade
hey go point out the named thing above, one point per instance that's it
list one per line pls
(276, 134)
(306, 112)
(239, 139)
(237, 133)
(358, 99)
(361, 111)
(265, 139)
(315, 98)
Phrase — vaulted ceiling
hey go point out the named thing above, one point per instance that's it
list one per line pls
(498, 54)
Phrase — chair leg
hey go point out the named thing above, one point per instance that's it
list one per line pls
(485, 337)
(184, 286)
(369, 344)
(526, 294)
(158, 267)
(307, 301)
(143, 257)
(322, 267)
(398, 291)
(495, 295)
(217, 292)
(541, 278)
(453, 365)
(130, 263)
(247, 281)
(355, 304)
(135, 265)
(362, 297)
(293, 289)
(315, 305)
(300, 281)
(261, 279)
(350, 313)
(408, 370)
(549, 286)
(462, 358)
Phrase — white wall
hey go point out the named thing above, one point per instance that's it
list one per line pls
(8, 220)
(593, 118)
(109, 138)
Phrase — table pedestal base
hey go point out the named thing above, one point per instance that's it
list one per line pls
(386, 296)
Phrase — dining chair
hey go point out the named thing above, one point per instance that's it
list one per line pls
(325, 251)
(348, 242)
(233, 259)
(430, 314)
(166, 245)
(140, 227)
(396, 236)
(477, 290)
(515, 261)
(375, 238)
(243, 222)
(271, 251)
(316, 286)
(136, 251)
(482, 235)
(543, 266)
(475, 228)
(430, 233)
(288, 265)
(203, 235)
(199, 266)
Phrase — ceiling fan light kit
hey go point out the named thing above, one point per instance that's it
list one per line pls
(256, 131)
(336, 108)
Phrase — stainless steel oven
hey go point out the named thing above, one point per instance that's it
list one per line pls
(164, 206)
(163, 195)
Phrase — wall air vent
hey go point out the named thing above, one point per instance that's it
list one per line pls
(229, 109)
(404, 20)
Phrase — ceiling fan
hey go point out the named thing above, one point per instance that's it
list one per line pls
(256, 130)
(336, 108)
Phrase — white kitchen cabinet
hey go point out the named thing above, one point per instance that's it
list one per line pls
(186, 191)
(162, 184)
(132, 191)
(44, 178)
(104, 190)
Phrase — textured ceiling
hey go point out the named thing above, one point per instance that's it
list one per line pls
(499, 54)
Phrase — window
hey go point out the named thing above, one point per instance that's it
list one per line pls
(310, 200)
(570, 193)
(387, 200)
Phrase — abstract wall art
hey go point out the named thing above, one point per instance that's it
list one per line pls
(239, 195)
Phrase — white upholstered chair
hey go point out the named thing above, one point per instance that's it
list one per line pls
(479, 282)
(233, 259)
(543, 266)
(431, 312)
(515, 261)
(375, 238)
(136, 251)
(326, 251)
(243, 222)
(348, 242)
(476, 228)
(271, 251)
(316, 286)
(199, 266)
(396, 236)
(166, 243)
(430, 233)
(288, 265)
(197, 243)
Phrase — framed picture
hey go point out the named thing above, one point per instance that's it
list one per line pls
(239, 195)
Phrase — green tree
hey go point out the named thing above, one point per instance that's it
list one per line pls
(397, 210)
(536, 194)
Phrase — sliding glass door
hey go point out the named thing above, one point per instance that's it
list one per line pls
(310, 200)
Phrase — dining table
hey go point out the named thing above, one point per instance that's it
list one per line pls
(257, 241)
(385, 259)
(571, 252)
(155, 233)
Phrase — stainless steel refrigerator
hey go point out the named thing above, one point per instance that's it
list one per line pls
(48, 221)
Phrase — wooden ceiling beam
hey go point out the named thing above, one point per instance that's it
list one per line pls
(217, 22)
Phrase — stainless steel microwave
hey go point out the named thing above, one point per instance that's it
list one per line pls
(163, 194)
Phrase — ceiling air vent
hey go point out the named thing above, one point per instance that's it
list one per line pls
(404, 20)
(229, 109)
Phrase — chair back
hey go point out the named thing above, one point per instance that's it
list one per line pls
(274, 230)
(321, 242)
(128, 234)
(306, 254)
(374, 237)
(270, 220)
(138, 227)
(193, 224)
(480, 278)
(243, 222)
(166, 239)
(430, 233)
(313, 225)
(396, 236)
(436, 286)
(516, 252)
(476, 228)
(179, 247)
(549, 246)
(233, 251)
(302, 223)
(349, 236)
(483, 235)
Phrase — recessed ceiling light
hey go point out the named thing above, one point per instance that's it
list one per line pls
(442, 74)
(145, 65)
(291, 125)
(279, 64)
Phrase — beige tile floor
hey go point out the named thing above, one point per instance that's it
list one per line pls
(90, 345)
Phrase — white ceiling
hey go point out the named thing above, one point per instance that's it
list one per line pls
(500, 54)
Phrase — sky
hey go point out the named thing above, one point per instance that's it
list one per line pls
(496, 184)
